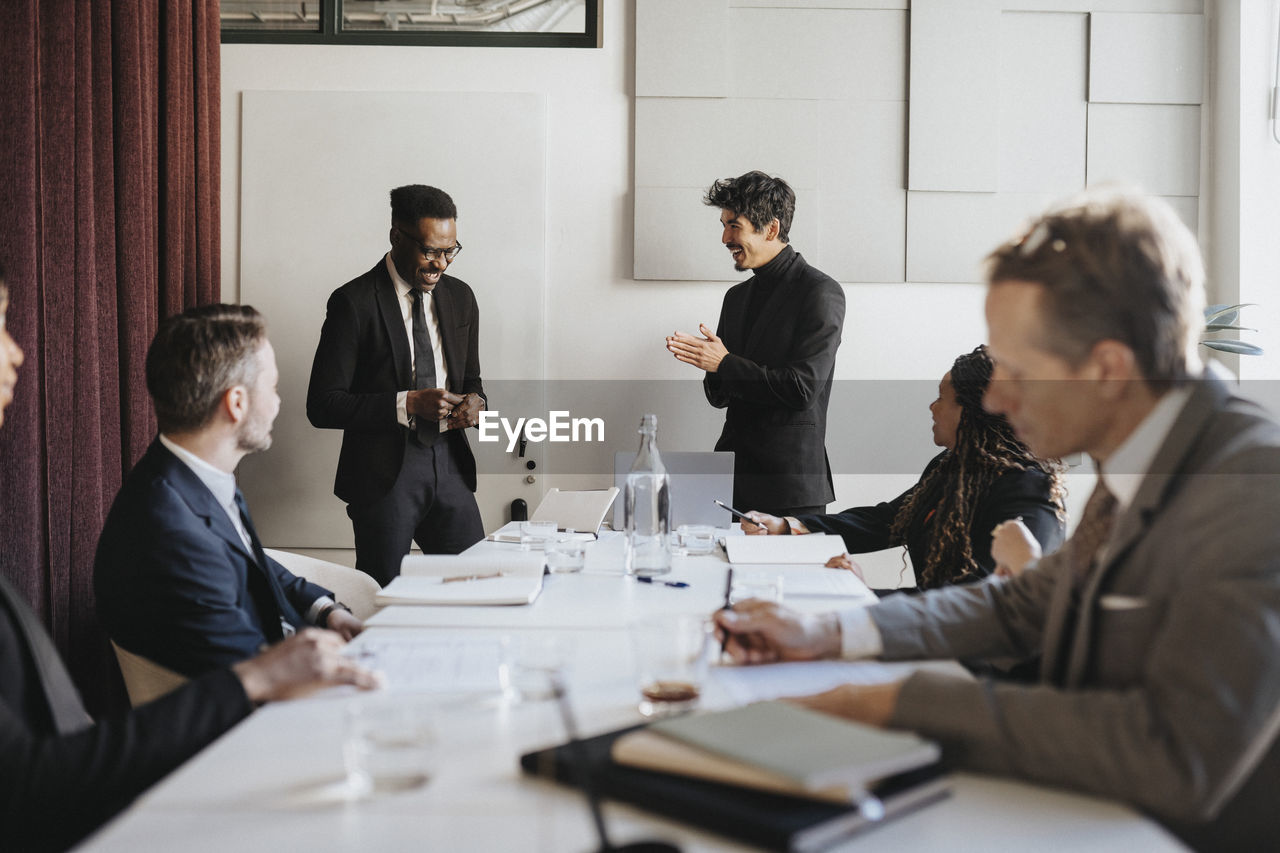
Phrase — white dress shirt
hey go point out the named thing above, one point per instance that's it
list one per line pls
(405, 292)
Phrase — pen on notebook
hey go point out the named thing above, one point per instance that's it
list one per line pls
(676, 584)
(728, 590)
(472, 577)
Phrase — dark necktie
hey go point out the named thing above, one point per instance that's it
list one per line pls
(1081, 553)
(424, 366)
(274, 622)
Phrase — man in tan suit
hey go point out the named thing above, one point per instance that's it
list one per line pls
(1159, 620)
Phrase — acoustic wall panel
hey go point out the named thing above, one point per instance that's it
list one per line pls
(1146, 59)
(678, 237)
(681, 50)
(818, 53)
(1043, 115)
(690, 142)
(948, 234)
(1154, 146)
(863, 206)
(955, 106)
(1166, 6)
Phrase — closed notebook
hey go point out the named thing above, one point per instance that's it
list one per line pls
(794, 746)
(505, 578)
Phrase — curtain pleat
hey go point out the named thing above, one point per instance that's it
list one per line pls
(109, 164)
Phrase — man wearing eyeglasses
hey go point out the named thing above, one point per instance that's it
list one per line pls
(398, 371)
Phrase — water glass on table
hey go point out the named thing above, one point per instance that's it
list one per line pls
(671, 658)
(534, 535)
(389, 745)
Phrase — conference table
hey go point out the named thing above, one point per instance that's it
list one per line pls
(277, 781)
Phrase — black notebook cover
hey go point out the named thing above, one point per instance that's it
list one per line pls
(770, 821)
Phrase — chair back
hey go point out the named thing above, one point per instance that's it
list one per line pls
(145, 679)
(354, 589)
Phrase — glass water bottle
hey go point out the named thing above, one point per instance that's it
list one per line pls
(646, 507)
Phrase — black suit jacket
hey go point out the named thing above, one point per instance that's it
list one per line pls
(60, 774)
(776, 383)
(362, 363)
(1015, 493)
(173, 580)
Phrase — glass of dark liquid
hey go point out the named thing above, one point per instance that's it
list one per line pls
(671, 656)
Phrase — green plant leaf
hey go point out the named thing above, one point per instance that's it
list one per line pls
(1237, 347)
(1224, 313)
(1223, 327)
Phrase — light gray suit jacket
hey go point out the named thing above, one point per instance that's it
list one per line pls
(1161, 675)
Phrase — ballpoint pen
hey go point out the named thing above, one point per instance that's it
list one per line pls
(728, 590)
(676, 584)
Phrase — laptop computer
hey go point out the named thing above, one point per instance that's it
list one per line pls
(698, 478)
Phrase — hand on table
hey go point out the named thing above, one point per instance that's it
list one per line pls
(872, 704)
(344, 624)
(301, 664)
(1012, 547)
(762, 632)
(706, 352)
(844, 561)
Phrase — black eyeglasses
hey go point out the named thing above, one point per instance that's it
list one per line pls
(427, 252)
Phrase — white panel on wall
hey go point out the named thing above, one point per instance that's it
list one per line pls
(1043, 114)
(681, 48)
(681, 235)
(955, 56)
(1146, 59)
(818, 53)
(863, 206)
(948, 234)
(1193, 7)
(682, 142)
(1155, 146)
(1187, 208)
(294, 255)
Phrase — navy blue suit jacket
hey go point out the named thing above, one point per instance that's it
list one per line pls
(174, 581)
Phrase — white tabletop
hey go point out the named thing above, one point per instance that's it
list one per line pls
(274, 782)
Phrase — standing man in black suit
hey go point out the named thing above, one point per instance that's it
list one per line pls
(772, 357)
(180, 575)
(62, 774)
(398, 371)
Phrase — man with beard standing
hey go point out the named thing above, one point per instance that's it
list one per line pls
(771, 360)
(180, 576)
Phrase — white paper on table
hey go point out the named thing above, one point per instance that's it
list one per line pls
(776, 680)
(813, 549)
(433, 665)
(507, 562)
(820, 582)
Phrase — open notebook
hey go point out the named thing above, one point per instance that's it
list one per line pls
(505, 578)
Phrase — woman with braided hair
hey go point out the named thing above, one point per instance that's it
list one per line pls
(983, 477)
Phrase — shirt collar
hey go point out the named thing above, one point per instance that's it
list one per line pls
(1131, 461)
(402, 286)
(222, 484)
(778, 264)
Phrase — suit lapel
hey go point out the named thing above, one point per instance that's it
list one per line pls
(60, 693)
(393, 323)
(201, 501)
(1167, 466)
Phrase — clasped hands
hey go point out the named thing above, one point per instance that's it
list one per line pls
(706, 352)
(440, 404)
(757, 631)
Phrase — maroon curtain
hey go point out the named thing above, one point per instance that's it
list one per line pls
(109, 156)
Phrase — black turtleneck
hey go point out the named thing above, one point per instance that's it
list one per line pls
(766, 277)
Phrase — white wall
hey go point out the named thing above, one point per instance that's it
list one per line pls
(601, 324)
